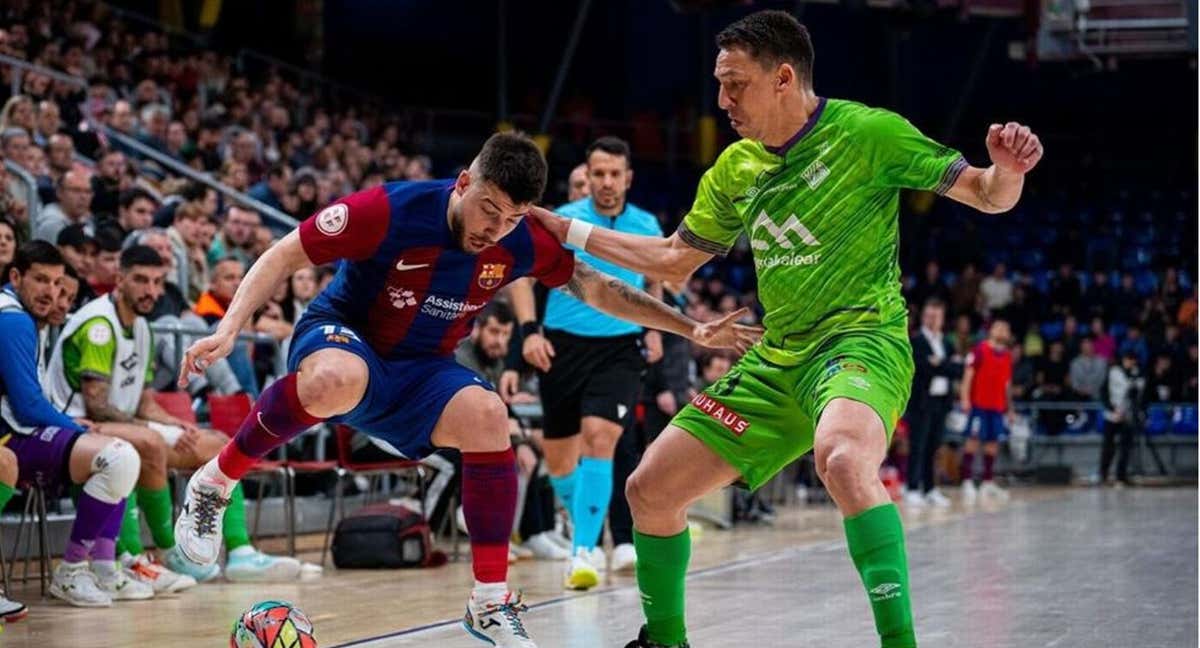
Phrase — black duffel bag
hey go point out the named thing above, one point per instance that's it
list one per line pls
(384, 536)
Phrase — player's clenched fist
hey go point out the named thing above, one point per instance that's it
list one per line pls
(203, 353)
(1013, 147)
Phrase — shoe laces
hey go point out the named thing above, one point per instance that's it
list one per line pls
(509, 609)
(207, 505)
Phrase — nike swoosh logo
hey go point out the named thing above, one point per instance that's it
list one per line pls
(264, 426)
(404, 266)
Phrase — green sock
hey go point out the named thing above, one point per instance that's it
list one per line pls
(875, 538)
(129, 540)
(661, 570)
(156, 505)
(234, 525)
(6, 493)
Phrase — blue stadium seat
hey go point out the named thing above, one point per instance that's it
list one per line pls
(1186, 421)
(1052, 331)
(1146, 281)
(1158, 420)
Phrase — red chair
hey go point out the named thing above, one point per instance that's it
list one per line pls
(225, 414)
(177, 404)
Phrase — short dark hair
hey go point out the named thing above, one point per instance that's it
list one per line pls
(934, 302)
(277, 170)
(70, 271)
(498, 311)
(194, 191)
(140, 255)
(35, 251)
(612, 145)
(108, 240)
(772, 37)
(129, 196)
(515, 164)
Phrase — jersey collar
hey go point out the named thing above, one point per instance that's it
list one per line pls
(782, 151)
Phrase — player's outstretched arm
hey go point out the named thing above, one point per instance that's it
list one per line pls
(622, 300)
(661, 259)
(275, 265)
(1014, 150)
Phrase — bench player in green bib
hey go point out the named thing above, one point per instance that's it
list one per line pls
(815, 185)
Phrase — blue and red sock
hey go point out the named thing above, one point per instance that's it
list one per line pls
(276, 418)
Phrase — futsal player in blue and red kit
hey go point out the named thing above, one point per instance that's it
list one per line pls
(985, 394)
(418, 261)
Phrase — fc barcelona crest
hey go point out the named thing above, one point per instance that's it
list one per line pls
(491, 275)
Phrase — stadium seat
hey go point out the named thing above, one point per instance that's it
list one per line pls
(177, 404)
(1186, 421)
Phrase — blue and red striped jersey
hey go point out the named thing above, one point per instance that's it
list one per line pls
(402, 280)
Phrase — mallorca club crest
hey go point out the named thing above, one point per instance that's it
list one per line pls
(492, 275)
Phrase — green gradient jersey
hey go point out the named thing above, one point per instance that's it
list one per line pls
(821, 214)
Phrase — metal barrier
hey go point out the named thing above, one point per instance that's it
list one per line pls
(179, 332)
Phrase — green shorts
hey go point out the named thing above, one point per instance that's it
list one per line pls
(761, 416)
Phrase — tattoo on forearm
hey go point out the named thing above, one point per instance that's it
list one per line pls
(95, 398)
(576, 287)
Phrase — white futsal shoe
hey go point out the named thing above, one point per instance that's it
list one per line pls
(76, 584)
(914, 499)
(146, 569)
(543, 547)
(937, 499)
(120, 585)
(969, 493)
(198, 528)
(624, 558)
(498, 622)
(11, 611)
(990, 489)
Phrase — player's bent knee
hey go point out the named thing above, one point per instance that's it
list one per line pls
(643, 497)
(843, 468)
(115, 470)
(152, 449)
(329, 388)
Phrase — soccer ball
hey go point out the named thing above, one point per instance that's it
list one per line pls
(272, 624)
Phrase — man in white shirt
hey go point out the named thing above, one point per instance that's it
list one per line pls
(996, 290)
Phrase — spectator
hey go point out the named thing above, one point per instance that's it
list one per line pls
(1171, 293)
(8, 244)
(1189, 375)
(1024, 377)
(964, 297)
(186, 241)
(419, 168)
(1186, 316)
(996, 290)
(1033, 345)
(1087, 371)
(106, 183)
(272, 191)
(236, 237)
(1164, 384)
(226, 277)
(1135, 345)
(1102, 341)
(1127, 302)
(1122, 395)
(18, 112)
(304, 186)
(72, 208)
(15, 143)
(13, 201)
(49, 122)
(1065, 291)
(135, 212)
(930, 403)
(60, 154)
(712, 367)
(78, 249)
(1100, 298)
(301, 289)
(155, 118)
(234, 174)
(577, 183)
(263, 240)
(108, 262)
(930, 286)
(1070, 336)
(964, 335)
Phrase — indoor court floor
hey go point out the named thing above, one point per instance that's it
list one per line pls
(1060, 568)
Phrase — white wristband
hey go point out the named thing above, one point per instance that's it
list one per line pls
(578, 233)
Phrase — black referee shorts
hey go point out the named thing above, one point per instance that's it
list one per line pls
(590, 377)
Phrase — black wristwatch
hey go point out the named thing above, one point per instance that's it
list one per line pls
(530, 328)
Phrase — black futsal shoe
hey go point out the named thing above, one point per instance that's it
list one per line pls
(643, 642)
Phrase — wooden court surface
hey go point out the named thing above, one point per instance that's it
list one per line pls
(983, 576)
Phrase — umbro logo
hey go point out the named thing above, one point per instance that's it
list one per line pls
(402, 266)
(886, 591)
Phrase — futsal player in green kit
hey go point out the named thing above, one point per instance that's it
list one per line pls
(815, 185)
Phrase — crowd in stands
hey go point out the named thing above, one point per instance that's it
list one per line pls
(95, 195)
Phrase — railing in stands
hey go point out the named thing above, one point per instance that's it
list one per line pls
(33, 203)
(281, 220)
(180, 332)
